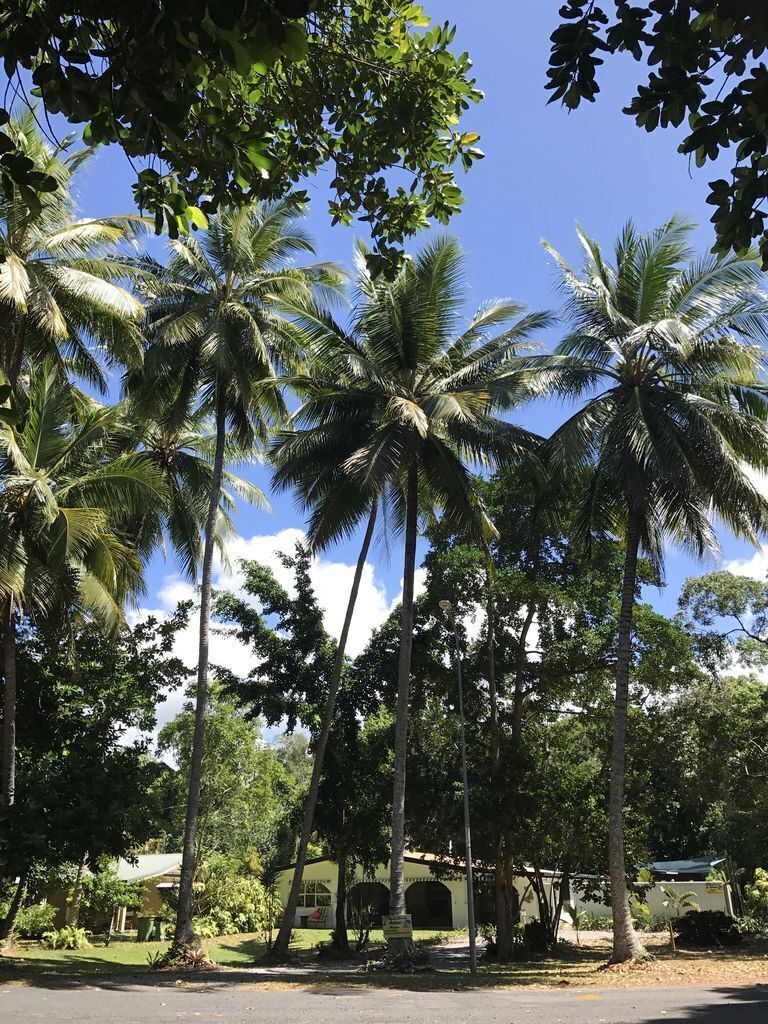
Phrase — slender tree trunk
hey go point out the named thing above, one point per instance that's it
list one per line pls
(626, 945)
(490, 616)
(185, 932)
(72, 916)
(280, 949)
(507, 902)
(9, 923)
(507, 908)
(397, 863)
(9, 707)
(342, 940)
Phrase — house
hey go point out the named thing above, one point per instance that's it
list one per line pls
(435, 892)
(158, 871)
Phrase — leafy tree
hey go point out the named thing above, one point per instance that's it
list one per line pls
(60, 275)
(392, 414)
(666, 349)
(296, 665)
(67, 499)
(244, 788)
(104, 893)
(706, 64)
(85, 789)
(243, 103)
(728, 616)
(216, 338)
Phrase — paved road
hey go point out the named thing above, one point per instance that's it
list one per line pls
(114, 1002)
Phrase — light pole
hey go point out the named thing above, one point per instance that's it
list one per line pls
(446, 607)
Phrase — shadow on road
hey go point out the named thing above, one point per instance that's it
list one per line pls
(743, 1006)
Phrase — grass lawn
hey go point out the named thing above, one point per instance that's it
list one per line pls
(577, 967)
(127, 956)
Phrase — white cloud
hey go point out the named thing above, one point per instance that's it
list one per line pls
(756, 567)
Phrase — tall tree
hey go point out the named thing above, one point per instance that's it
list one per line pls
(68, 496)
(667, 350)
(395, 410)
(241, 102)
(86, 787)
(216, 339)
(61, 296)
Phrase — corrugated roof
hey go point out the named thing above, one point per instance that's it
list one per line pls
(148, 865)
(695, 866)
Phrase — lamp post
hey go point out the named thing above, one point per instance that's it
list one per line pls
(446, 607)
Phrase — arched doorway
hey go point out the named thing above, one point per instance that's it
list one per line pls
(429, 904)
(368, 901)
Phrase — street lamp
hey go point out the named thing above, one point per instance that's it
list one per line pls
(446, 607)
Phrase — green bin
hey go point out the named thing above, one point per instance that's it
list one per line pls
(159, 930)
(145, 928)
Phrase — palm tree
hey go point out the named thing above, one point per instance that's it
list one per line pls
(393, 412)
(60, 293)
(67, 493)
(182, 453)
(666, 348)
(217, 339)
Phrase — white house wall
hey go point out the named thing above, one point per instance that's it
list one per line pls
(708, 895)
(327, 873)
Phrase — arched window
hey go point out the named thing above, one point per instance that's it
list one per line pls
(314, 894)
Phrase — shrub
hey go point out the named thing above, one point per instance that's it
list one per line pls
(707, 928)
(646, 921)
(595, 923)
(208, 928)
(232, 903)
(756, 897)
(33, 921)
(66, 938)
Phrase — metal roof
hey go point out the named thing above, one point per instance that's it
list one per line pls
(148, 865)
(700, 866)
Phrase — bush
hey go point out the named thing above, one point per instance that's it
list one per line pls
(34, 921)
(707, 928)
(756, 897)
(595, 923)
(646, 921)
(231, 903)
(66, 938)
(209, 928)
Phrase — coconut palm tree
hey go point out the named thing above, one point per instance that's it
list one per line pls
(666, 348)
(182, 453)
(217, 339)
(393, 413)
(67, 495)
(60, 276)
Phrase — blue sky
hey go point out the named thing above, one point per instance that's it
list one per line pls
(544, 169)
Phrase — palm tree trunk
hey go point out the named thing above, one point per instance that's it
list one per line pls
(9, 708)
(280, 949)
(397, 863)
(9, 923)
(626, 945)
(185, 932)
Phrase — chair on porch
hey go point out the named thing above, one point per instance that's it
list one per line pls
(318, 917)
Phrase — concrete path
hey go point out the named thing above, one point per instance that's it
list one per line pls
(115, 1002)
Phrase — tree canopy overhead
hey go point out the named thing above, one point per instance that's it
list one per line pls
(224, 102)
(707, 61)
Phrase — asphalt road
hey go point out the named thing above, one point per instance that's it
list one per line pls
(127, 1003)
